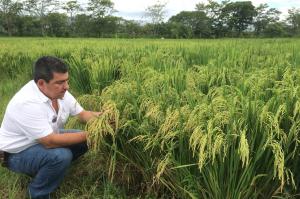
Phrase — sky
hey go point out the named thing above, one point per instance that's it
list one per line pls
(135, 9)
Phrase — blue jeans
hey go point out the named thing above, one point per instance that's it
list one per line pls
(46, 166)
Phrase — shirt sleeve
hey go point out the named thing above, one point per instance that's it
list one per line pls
(31, 120)
(74, 107)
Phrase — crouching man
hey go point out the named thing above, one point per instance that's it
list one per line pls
(32, 136)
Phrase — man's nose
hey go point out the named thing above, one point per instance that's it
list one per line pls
(66, 86)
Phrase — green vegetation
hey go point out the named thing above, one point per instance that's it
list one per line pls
(182, 118)
(98, 18)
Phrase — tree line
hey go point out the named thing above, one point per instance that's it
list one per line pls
(209, 20)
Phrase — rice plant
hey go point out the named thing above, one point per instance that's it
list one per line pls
(183, 118)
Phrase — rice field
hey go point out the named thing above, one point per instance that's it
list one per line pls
(207, 119)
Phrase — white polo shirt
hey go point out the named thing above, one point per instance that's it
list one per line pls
(30, 115)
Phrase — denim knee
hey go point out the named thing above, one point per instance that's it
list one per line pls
(61, 156)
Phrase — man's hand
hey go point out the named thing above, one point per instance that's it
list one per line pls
(85, 116)
(96, 114)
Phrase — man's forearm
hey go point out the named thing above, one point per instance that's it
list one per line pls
(55, 140)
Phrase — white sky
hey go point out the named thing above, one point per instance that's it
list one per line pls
(135, 9)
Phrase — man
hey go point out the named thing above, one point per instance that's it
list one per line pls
(32, 135)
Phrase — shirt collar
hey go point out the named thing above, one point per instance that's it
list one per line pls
(39, 93)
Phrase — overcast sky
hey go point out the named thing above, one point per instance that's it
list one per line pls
(135, 9)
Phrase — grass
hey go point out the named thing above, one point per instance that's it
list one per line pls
(193, 118)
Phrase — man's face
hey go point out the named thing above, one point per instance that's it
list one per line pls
(56, 87)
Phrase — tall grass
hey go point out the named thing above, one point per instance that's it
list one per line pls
(185, 119)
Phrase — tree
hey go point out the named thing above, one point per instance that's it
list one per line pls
(9, 11)
(129, 28)
(100, 8)
(195, 21)
(71, 7)
(238, 15)
(29, 26)
(213, 11)
(156, 12)
(264, 17)
(201, 7)
(104, 27)
(274, 30)
(294, 20)
(41, 8)
(179, 30)
(82, 25)
(57, 24)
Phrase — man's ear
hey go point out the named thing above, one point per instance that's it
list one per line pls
(41, 83)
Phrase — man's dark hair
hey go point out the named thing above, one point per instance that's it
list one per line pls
(45, 66)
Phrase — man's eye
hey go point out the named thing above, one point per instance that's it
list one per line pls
(62, 82)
